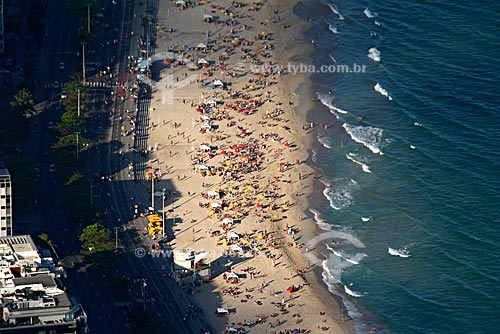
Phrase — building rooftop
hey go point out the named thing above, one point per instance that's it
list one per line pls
(3, 171)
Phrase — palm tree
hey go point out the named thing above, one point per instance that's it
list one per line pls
(24, 103)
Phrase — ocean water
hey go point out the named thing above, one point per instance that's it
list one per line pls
(410, 162)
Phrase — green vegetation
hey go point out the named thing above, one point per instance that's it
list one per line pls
(23, 103)
(96, 241)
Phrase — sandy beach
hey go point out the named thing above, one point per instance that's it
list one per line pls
(229, 132)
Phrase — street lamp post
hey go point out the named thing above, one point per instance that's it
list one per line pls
(163, 211)
(153, 190)
(78, 90)
(83, 62)
(116, 228)
(77, 146)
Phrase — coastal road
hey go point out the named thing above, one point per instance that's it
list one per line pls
(61, 46)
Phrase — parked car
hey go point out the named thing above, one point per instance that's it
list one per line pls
(51, 125)
(52, 168)
(61, 66)
(63, 94)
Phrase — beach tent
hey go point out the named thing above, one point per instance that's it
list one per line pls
(222, 310)
(233, 235)
(206, 126)
(208, 18)
(205, 117)
(212, 102)
(213, 193)
(202, 61)
(227, 220)
(204, 147)
(201, 46)
(218, 83)
(236, 248)
(205, 167)
(216, 205)
(180, 3)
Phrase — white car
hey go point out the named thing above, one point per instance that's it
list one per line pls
(63, 94)
(51, 125)
(52, 168)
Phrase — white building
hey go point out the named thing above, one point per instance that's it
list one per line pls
(5, 202)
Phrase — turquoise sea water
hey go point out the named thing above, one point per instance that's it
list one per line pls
(411, 161)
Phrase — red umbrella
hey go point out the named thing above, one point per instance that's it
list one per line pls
(239, 110)
(205, 74)
(287, 145)
(241, 145)
(248, 108)
(223, 152)
(198, 109)
(243, 133)
(234, 146)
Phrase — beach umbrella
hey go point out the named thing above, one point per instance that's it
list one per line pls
(216, 205)
(223, 152)
(287, 144)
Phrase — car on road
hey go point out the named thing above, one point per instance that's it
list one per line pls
(56, 84)
(61, 66)
(52, 168)
(50, 126)
(37, 169)
(64, 94)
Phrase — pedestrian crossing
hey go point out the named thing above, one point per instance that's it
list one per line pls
(88, 84)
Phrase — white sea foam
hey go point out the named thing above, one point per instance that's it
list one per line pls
(412, 147)
(369, 136)
(325, 141)
(338, 192)
(327, 100)
(369, 14)
(353, 260)
(417, 124)
(352, 293)
(365, 219)
(374, 54)
(332, 58)
(377, 23)
(333, 28)
(401, 252)
(364, 167)
(382, 91)
(335, 10)
(320, 222)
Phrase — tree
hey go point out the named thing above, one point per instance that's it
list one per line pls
(24, 103)
(96, 240)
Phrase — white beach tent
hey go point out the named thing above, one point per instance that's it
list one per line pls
(205, 167)
(236, 248)
(216, 205)
(202, 61)
(205, 118)
(218, 83)
(227, 220)
(201, 46)
(204, 147)
(212, 102)
(231, 275)
(213, 193)
(208, 17)
(233, 235)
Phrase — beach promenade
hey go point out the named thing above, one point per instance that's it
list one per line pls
(225, 131)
